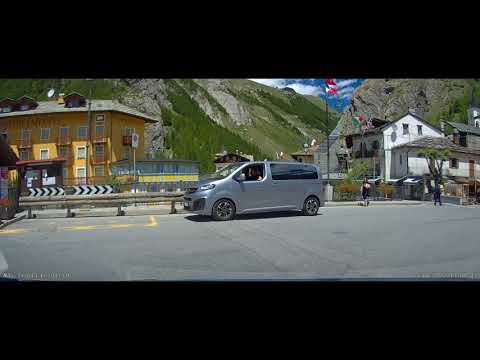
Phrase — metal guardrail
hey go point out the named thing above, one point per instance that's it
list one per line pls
(118, 200)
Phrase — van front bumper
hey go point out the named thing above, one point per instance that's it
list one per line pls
(197, 203)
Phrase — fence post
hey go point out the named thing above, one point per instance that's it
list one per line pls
(172, 209)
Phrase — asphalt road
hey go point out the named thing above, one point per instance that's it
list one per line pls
(418, 241)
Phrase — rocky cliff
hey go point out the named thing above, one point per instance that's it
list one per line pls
(431, 99)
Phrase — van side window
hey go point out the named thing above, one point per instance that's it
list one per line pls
(254, 172)
(293, 172)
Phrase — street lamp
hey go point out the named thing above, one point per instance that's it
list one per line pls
(89, 137)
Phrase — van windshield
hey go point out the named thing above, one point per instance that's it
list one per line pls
(223, 173)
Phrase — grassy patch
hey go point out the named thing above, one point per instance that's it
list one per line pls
(195, 136)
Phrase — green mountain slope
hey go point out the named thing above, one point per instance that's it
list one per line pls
(200, 117)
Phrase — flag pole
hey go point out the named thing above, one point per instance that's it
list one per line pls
(328, 142)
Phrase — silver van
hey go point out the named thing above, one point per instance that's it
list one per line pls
(257, 186)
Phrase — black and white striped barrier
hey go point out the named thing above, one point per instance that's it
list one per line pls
(92, 189)
(47, 191)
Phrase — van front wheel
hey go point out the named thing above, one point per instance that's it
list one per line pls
(311, 206)
(223, 210)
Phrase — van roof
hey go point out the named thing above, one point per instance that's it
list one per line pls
(280, 162)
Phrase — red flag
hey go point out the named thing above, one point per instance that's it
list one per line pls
(331, 90)
(330, 82)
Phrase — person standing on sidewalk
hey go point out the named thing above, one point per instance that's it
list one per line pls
(366, 192)
(437, 194)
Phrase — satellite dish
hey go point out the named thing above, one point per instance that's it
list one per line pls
(51, 92)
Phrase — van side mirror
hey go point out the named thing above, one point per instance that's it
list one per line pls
(241, 177)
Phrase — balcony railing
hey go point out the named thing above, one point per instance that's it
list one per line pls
(127, 140)
(64, 140)
(24, 143)
(366, 154)
(100, 138)
(68, 156)
(99, 159)
(91, 180)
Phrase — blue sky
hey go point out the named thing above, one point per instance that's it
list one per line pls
(316, 87)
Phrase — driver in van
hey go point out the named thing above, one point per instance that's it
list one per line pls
(254, 174)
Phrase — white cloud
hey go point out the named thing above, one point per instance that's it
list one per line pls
(343, 83)
(305, 89)
(271, 82)
(296, 85)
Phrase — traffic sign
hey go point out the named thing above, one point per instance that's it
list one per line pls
(135, 140)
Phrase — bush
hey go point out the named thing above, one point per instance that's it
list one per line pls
(347, 190)
(386, 189)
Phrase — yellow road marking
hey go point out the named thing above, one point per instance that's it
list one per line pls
(153, 222)
(81, 228)
(115, 226)
(12, 231)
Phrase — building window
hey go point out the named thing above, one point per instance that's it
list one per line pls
(63, 132)
(453, 163)
(73, 103)
(24, 107)
(126, 152)
(129, 131)
(99, 171)
(65, 173)
(82, 132)
(419, 129)
(7, 109)
(400, 159)
(81, 175)
(99, 125)
(24, 155)
(44, 133)
(81, 152)
(26, 134)
(405, 129)
(477, 123)
(43, 154)
(99, 149)
(4, 136)
(63, 151)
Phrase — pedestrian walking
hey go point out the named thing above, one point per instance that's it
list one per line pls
(437, 194)
(366, 192)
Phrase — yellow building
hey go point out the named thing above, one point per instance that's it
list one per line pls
(58, 145)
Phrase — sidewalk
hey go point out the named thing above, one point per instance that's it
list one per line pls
(373, 203)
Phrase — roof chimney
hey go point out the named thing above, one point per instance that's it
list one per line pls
(60, 100)
(456, 137)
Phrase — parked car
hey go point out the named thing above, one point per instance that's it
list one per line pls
(258, 186)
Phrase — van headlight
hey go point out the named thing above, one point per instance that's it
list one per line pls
(207, 187)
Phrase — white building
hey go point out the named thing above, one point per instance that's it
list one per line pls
(464, 163)
(375, 145)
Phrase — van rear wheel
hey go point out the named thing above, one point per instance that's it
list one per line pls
(223, 210)
(311, 206)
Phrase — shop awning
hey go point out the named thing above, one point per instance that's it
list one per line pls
(412, 180)
(374, 180)
(396, 181)
(40, 162)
